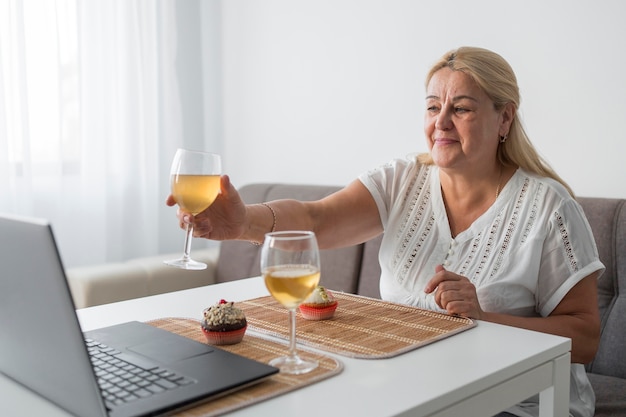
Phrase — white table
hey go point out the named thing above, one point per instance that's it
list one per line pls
(478, 372)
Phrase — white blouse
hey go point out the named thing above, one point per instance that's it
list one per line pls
(523, 254)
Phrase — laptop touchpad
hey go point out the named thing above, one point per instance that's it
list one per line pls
(168, 351)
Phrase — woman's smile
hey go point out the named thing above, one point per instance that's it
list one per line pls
(445, 141)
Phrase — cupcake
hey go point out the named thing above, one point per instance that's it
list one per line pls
(223, 324)
(320, 305)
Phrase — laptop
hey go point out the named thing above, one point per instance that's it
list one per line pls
(43, 347)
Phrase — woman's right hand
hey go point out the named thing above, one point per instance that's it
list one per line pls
(225, 219)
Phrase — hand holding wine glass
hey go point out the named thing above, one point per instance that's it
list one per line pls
(195, 184)
(290, 264)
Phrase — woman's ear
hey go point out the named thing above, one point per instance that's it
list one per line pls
(508, 114)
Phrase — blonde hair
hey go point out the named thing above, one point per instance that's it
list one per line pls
(496, 78)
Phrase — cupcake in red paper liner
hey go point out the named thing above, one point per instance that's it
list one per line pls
(223, 324)
(320, 305)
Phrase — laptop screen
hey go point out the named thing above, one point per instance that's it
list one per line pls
(41, 337)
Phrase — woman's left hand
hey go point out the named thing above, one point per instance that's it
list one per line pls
(454, 293)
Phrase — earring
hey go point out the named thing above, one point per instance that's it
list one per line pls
(503, 138)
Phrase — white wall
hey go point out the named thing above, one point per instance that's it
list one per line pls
(318, 91)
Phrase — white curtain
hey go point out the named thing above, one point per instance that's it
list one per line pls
(84, 87)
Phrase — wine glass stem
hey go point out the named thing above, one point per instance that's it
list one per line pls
(292, 333)
(188, 238)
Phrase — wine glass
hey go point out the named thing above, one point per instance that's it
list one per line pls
(290, 264)
(195, 184)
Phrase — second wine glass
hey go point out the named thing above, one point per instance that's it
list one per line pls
(195, 184)
(290, 264)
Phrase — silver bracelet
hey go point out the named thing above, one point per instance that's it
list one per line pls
(273, 216)
(273, 223)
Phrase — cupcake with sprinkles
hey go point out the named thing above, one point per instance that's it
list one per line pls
(223, 323)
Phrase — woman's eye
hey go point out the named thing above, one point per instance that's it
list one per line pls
(432, 108)
(460, 109)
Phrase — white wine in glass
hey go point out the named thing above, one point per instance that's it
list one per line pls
(290, 264)
(195, 184)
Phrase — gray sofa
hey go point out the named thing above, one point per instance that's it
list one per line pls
(356, 270)
(607, 372)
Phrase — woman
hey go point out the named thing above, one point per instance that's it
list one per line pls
(480, 226)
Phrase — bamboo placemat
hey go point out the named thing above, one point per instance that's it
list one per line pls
(261, 350)
(362, 327)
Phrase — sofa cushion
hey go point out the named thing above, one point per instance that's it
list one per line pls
(610, 395)
(607, 218)
(369, 281)
(242, 259)
(138, 277)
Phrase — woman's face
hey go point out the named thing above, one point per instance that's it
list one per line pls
(462, 126)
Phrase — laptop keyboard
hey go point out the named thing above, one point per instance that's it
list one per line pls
(122, 381)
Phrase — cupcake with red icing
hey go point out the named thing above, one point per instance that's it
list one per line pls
(320, 305)
(223, 323)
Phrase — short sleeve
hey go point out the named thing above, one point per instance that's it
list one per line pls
(570, 254)
(384, 183)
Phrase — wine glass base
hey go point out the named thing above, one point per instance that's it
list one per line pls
(189, 264)
(293, 365)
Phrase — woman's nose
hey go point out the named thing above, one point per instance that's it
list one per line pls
(444, 120)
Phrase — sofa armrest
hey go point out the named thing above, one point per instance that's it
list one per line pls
(139, 277)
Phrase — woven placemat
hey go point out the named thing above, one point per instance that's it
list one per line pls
(362, 327)
(255, 348)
